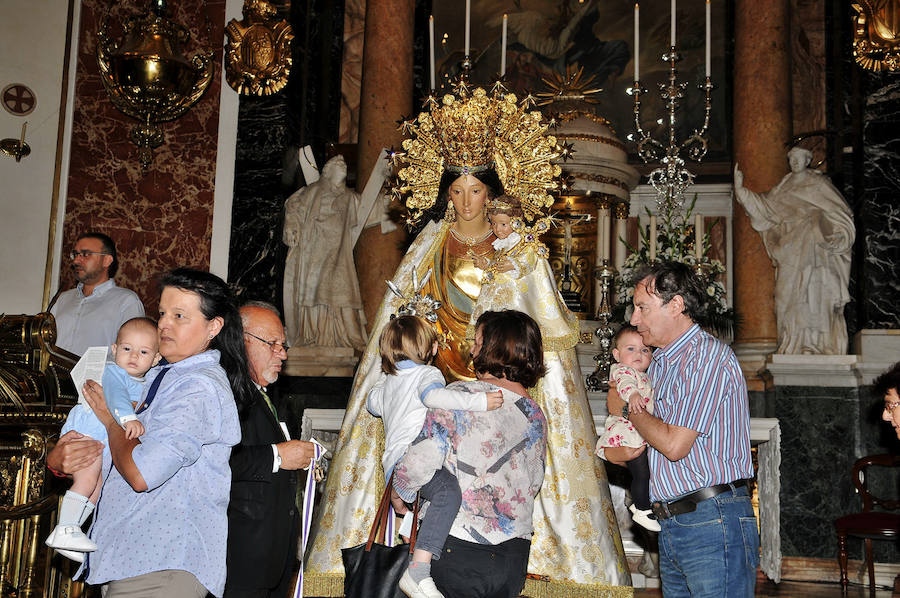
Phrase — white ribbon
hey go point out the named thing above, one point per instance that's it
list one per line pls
(309, 499)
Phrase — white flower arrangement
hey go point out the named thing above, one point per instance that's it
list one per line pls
(675, 242)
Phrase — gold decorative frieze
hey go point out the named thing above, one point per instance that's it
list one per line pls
(876, 34)
(258, 54)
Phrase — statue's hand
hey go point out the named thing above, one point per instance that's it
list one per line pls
(738, 177)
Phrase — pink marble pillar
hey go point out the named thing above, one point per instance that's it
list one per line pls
(762, 124)
(386, 96)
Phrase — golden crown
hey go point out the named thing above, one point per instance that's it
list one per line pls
(469, 133)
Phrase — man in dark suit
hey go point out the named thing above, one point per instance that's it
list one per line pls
(263, 519)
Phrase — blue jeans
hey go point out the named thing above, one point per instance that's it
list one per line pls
(711, 552)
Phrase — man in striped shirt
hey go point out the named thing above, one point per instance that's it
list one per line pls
(699, 439)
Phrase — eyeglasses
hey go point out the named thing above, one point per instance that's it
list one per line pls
(889, 407)
(274, 346)
(85, 253)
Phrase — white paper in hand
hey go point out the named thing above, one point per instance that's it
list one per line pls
(406, 524)
(89, 367)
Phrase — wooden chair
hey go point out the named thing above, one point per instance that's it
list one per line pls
(869, 525)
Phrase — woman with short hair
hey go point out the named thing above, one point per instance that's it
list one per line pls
(497, 456)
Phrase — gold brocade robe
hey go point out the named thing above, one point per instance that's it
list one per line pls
(576, 549)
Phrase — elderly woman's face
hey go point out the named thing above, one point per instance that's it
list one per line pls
(892, 410)
(183, 329)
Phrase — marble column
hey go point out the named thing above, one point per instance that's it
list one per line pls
(386, 96)
(762, 124)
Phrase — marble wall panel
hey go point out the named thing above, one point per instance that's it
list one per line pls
(879, 210)
(823, 432)
(256, 256)
(819, 438)
(270, 131)
(161, 218)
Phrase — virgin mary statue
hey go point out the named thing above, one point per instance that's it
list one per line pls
(470, 148)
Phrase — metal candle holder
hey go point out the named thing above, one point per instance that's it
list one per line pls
(671, 178)
(599, 379)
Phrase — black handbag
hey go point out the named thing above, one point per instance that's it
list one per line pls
(373, 570)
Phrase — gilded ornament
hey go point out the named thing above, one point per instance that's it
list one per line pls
(258, 54)
(876, 34)
(469, 132)
(147, 77)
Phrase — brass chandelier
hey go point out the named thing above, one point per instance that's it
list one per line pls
(146, 75)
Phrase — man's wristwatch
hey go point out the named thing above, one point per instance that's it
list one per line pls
(625, 411)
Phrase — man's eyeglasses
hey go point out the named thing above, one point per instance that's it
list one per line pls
(85, 253)
(274, 346)
(889, 407)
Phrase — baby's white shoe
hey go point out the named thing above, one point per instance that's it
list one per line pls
(423, 589)
(644, 518)
(70, 538)
(78, 557)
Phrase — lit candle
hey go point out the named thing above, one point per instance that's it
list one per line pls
(431, 47)
(652, 238)
(698, 233)
(469, 21)
(503, 48)
(637, 42)
(708, 45)
(672, 29)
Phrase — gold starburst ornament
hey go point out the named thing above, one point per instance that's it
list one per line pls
(470, 132)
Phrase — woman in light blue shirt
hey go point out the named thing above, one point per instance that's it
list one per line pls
(161, 521)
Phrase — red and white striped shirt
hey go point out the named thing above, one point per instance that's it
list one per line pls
(699, 385)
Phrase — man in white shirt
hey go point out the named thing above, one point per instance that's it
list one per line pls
(90, 314)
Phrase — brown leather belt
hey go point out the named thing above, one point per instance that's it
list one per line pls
(688, 504)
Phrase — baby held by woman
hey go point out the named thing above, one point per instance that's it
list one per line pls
(134, 353)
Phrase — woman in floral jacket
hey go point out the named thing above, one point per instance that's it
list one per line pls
(498, 458)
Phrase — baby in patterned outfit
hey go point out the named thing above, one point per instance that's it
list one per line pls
(629, 376)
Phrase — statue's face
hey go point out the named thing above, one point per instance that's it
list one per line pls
(335, 170)
(468, 195)
(798, 161)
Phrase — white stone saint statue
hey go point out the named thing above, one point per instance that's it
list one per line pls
(807, 228)
(322, 304)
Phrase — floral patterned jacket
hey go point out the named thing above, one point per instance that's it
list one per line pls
(497, 456)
